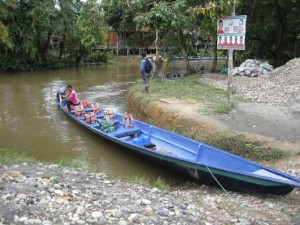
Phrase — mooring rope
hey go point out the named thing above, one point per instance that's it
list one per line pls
(217, 181)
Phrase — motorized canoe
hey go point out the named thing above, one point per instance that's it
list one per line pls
(195, 159)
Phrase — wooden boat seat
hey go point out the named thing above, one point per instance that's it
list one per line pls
(123, 132)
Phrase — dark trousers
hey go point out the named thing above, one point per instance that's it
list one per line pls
(69, 103)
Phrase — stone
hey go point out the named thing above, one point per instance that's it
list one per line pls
(59, 192)
(14, 173)
(80, 210)
(96, 214)
(117, 213)
(22, 196)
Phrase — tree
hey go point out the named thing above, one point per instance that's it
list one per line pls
(91, 30)
(166, 16)
(27, 28)
(4, 32)
(272, 35)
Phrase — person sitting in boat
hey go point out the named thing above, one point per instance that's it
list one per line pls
(70, 98)
(110, 114)
(90, 117)
(85, 103)
(96, 108)
(106, 124)
(79, 110)
(128, 121)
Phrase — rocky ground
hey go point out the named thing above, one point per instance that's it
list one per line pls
(48, 194)
(274, 110)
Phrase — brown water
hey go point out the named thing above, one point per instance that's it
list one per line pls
(31, 123)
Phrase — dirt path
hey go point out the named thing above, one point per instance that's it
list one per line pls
(277, 126)
(277, 122)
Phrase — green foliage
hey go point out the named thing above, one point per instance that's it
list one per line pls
(271, 35)
(90, 22)
(70, 163)
(4, 31)
(137, 179)
(120, 14)
(11, 157)
(96, 57)
(27, 28)
(159, 183)
(190, 87)
(222, 107)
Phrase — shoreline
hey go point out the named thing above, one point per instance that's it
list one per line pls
(50, 194)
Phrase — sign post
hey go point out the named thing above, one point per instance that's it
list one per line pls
(232, 32)
(231, 36)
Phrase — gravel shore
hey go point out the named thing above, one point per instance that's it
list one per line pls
(49, 194)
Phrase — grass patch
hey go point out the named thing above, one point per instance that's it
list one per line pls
(137, 179)
(8, 157)
(159, 182)
(190, 87)
(228, 204)
(240, 145)
(70, 163)
(222, 107)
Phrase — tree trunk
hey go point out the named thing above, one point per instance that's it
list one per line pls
(200, 60)
(62, 46)
(44, 46)
(156, 71)
(296, 48)
(215, 60)
(184, 51)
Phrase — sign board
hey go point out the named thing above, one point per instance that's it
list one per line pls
(232, 32)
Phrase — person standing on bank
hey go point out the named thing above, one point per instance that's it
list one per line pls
(146, 67)
(71, 97)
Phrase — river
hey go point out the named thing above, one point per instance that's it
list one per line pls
(32, 124)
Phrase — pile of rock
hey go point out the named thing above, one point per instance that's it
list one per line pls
(253, 68)
(279, 87)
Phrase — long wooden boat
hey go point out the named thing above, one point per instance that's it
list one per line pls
(195, 159)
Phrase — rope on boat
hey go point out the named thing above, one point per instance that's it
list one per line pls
(217, 180)
(165, 151)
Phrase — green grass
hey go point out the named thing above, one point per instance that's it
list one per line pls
(70, 163)
(159, 182)
(222, 107)
(137, 179)
(190, 87)
(8, 157)
(240, 145)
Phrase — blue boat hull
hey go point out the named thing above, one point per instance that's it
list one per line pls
(194, 159)
(204, 176)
